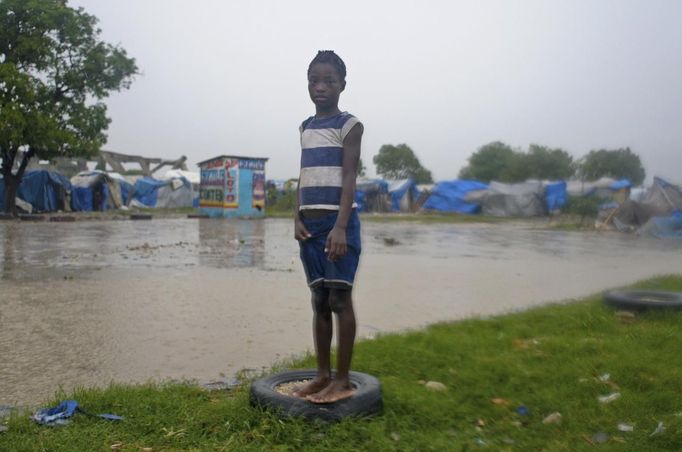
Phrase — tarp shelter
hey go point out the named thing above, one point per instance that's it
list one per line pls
(162, 194)
(556, 196)
(192, 177)
(664, 227)
(97, 190)
(660, 200)
(45, 191)
(451, 196)
(371, 195)
(606, 187)
(525, 199)
(403, 194)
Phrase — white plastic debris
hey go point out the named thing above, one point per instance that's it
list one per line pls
(623, 427)
(609, 397)
(660, 428)
(554, 418)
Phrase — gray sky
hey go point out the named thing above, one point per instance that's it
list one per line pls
(445, 77)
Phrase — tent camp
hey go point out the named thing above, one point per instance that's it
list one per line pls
(451, 196)
(162, 194)
(97, 190)
(45, 191)
(605, 188)
(525, 199)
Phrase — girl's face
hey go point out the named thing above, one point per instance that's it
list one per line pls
(324, 86)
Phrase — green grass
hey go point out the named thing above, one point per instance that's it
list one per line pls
(547, 359)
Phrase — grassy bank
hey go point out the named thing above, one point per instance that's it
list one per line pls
(550, 359)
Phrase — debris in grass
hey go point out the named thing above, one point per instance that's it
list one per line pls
(480, 423)
(625, 316)
(435, 386)
(604, 377)
(660, 428)
(600, 437)
(116, 446)
(554, 418)
(623, 427)
(395, 436)
(609, 397)
(522, 410)
(3, 428)
(480, 442)
(524, 344)
(499, 401)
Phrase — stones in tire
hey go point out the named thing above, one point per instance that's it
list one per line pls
(639, 300)
(365, 401)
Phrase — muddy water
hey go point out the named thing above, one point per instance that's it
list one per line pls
(88, 303)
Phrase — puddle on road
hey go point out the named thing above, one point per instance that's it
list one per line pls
(87, 303)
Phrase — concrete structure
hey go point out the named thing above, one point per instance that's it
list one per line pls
(232, 186)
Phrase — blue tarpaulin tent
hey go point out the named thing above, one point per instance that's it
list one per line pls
(169, 193)
(98, 190)
(450, 196)
(370, 195)
(46, 191)
(555, 195)
(402, 192)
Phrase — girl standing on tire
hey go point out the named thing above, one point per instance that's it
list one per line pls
(326, 224)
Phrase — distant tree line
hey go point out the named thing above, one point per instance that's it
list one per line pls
(500, 162)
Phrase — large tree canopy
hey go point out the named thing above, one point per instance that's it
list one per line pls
(498, 161)
(616, 163)
(400, 162)
(54, 74)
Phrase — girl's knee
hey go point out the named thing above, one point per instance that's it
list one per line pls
(339, 300)
(321, 300)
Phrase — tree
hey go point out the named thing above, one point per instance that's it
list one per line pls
(493, 161)
(498, 161)
(54, 74)
(400, 162)
(616, 163)
(546, 163)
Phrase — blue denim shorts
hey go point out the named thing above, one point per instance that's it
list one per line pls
(319, 270)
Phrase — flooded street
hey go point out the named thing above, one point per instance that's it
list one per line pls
(91, 302)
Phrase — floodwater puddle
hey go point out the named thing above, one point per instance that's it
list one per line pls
(90, 302)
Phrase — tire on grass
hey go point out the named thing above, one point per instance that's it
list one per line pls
(365, 401)
(639, 300)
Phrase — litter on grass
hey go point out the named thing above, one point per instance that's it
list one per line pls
(609, 397)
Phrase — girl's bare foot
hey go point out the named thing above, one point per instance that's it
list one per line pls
(333, 392)
(311, 387)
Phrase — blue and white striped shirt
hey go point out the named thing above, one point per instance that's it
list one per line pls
(322, 160)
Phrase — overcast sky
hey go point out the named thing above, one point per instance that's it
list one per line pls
(445, 77)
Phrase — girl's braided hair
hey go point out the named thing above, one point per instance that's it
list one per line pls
(328, 56)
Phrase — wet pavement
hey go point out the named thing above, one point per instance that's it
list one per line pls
(91, 302)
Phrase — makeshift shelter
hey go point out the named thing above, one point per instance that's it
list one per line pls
(556, 196)
(664, 227)
(193, 178)
(451, 196)
(525, 199)
(660, 200)
(403, 195)
(371, 195)
(162, 194)
(97, 190)
(605, 188)
(45, 191)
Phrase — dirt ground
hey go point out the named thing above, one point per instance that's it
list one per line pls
(91, 302)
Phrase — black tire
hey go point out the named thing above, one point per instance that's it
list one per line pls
(366, 399)
(644, 299)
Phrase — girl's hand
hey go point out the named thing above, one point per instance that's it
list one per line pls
(335, 246)
(300, 232)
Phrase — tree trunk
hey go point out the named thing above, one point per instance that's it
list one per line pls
(12, 181)
(11, 186)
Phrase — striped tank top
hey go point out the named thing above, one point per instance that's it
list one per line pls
(322, 160)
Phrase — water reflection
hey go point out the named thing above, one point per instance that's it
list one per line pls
(231, 243)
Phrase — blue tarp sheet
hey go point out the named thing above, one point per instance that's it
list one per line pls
(449, 196)
(367, 188)
(398, 191)
(146, 190)
(43, 189)
(556, 196)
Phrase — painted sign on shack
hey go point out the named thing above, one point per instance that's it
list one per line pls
(232, 186)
